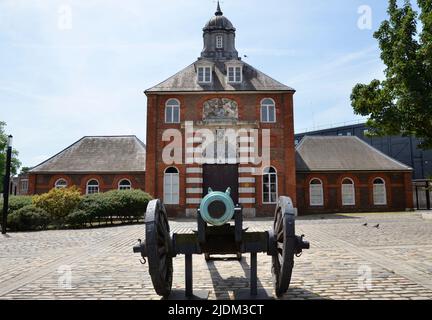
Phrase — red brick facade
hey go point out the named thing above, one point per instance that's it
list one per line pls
(398, 191)
(41, 183)
(250, 185)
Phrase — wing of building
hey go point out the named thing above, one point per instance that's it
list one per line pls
(345, 174)
(95, 164)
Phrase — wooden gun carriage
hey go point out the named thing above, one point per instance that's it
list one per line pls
(215, 235)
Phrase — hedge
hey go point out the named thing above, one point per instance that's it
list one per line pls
(28, 218)
(58, 203)
(60, 208)
(127, 205)
(15, 203)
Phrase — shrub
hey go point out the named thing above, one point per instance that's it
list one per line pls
(58, 203)
(95, 206)
(125, 204)
(78, 218)
(28, 218)
(16, 203)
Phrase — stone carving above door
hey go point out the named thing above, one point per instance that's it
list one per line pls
(220, 109)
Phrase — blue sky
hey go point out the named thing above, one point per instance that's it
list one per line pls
(62, 80)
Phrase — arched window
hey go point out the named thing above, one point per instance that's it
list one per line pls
(92, 186)
(379, 192)
(124, 184)
(269, 187)
(60, 184)
(268, 110)
(316, 195)
(172, 111)
(171, 186)
(348, 192)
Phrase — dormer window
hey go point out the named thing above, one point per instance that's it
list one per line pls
(219, 42)
(234, 74)
(204, 74)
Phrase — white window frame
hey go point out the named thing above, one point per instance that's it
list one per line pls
(269, 175)
(172, 107)
(232, 75)
(57, 186)
(24, 185)
(204, 78)
(348, 192)
(96, 187)
(219, 41)
(316, 188)
(264, 109)
(171, 192)
(382, 192)
(123, 186)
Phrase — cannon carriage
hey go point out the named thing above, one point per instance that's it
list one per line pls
(217, 235)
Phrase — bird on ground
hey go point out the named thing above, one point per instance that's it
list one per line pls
(365, 224)
(377, 226)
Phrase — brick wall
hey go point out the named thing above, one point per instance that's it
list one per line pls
(41, 183)
(250, 185)
(398, 191)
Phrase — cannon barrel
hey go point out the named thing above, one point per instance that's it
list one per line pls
(217, 208)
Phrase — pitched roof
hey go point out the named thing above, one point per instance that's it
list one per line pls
(186, 81)
(318, 153)
(98, 154)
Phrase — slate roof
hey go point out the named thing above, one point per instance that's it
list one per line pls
(186, 81)
(347, 153)
(98, 154)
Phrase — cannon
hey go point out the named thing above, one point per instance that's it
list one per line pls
(219, 232)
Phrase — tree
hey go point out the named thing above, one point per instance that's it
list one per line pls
(402, 103)
(25, 170)
(15, 162)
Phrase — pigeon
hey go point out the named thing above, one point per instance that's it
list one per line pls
(365, 224)
(377, 226)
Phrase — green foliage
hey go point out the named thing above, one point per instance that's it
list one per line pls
(402, 103)
(66, 207)
(24, 170)
(16, 203)
(58, 203)
(125, 204)
(28, 218)
(15, 162)
(78, 219)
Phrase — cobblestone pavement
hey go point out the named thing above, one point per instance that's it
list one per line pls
(397, 255)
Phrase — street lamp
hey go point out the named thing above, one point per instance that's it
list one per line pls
(6, 183)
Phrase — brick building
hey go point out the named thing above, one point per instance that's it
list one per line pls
(221, 123)
(219, 92)
(94, 164)
(345, 174)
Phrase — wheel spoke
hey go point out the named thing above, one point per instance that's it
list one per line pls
(280, 260)
(280, 235)
(278, 223)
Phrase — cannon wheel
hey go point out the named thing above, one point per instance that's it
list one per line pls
(285, 240)
(158, 243)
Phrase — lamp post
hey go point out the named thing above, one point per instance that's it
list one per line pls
(6, 184)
